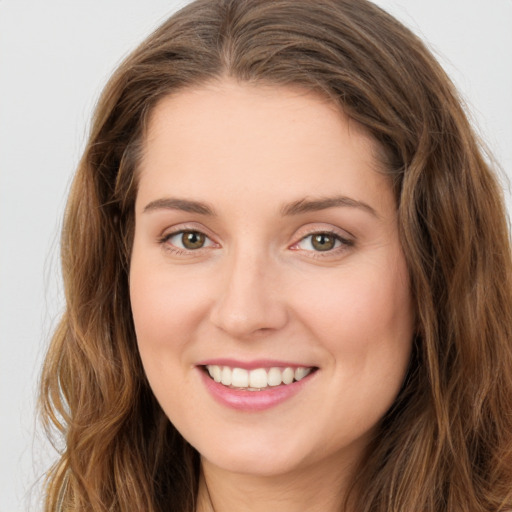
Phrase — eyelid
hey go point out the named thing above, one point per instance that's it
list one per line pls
(208, 241)
(185, 226)
(347, 240)
(178, 229)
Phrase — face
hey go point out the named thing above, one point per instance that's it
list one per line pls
(269, 291)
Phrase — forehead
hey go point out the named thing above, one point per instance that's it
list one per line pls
(251, 136)
(192, 112)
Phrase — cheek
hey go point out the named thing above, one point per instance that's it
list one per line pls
(364, 318)
(164, 305)
(166, 313)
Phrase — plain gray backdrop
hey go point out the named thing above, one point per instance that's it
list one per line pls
(54, 58)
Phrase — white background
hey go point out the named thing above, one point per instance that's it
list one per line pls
(54, 58)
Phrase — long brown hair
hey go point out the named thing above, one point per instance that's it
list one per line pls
(446, 444)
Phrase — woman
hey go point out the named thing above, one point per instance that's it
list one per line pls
(287, 274)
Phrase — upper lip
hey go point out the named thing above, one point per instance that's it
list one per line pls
(251, 365)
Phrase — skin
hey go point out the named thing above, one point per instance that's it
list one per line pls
(259, 289)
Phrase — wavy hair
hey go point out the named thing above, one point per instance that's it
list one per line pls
(446, 444)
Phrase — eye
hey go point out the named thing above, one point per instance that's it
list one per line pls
(321, 242)
(188, 240)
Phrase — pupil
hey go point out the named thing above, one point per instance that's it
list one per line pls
(323, 242)
(193, 240)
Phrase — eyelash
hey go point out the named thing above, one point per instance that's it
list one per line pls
(344, 243)
(164, 241)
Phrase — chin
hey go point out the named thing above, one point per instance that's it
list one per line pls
(253, 462)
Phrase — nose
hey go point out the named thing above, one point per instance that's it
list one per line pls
(249, 301)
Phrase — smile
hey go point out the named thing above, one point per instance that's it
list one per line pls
(256, 379)
(257, 388)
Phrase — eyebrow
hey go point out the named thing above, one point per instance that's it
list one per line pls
(295, 208)
(313, 205)
(185, 205)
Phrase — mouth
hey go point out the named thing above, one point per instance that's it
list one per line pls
(257, 379)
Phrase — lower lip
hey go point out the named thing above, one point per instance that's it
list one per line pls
(252, 401)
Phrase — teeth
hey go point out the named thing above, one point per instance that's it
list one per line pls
(258, 378)
(275, 377)
(239, 378)
(288, 375)
(300, 373)
(217, 373)
(226, 376)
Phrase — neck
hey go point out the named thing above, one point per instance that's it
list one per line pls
(300, 491)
